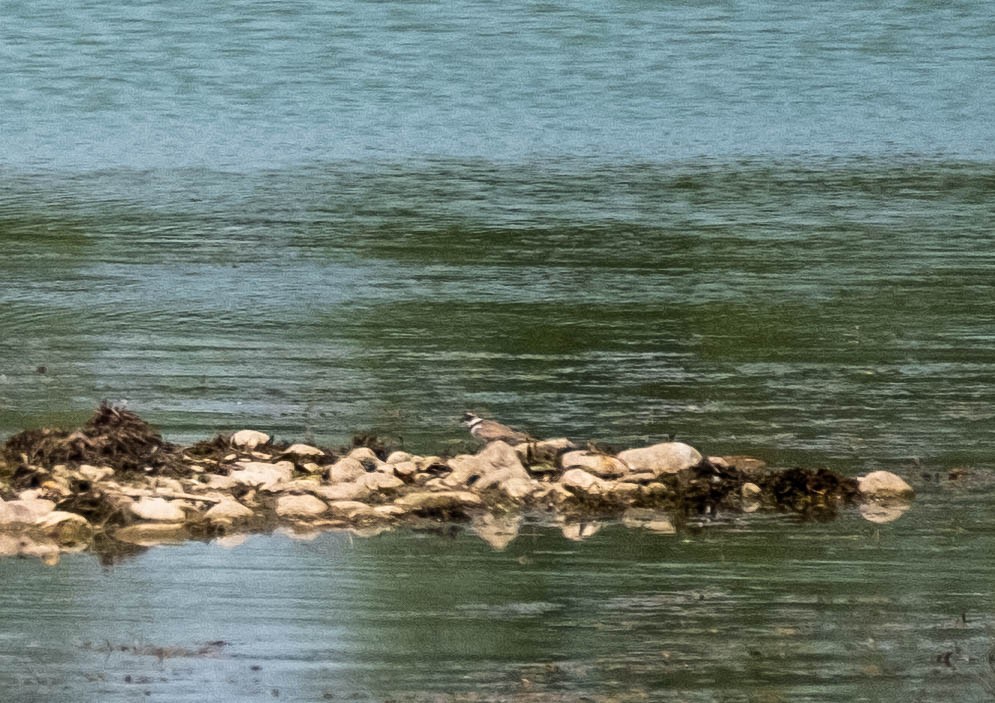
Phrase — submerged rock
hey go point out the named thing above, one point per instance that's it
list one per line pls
(664, 458)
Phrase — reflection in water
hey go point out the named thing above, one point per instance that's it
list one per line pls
(884, 512)
(498, 530)
(752, 606)
(579, 530)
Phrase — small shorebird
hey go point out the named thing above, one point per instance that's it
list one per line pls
(491, 431)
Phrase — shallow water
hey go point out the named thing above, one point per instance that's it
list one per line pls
(762, 228)
(742, 609)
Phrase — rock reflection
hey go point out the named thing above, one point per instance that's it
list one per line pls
(649, 520)
(498, 530)
(882, 513)
(578, 531)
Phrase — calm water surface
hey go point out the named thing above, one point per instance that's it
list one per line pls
(762, 227)
(762, 609)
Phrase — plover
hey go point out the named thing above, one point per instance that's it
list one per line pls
(491, 431)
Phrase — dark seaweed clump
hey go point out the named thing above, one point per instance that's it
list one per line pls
(113, 436)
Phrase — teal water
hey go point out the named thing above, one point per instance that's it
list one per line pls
(762, 228)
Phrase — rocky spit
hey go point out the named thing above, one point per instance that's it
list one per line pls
(114, 486)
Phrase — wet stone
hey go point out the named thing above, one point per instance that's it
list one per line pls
(299, 506)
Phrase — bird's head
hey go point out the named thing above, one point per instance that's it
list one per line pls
(469, 418)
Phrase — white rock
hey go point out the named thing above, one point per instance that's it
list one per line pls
(625, 490)
(303, 450)
(517, 488)
(60, 517)
(750, 491)
(157, 510)
(580, 481)
(95, 473)
(424, 462)
(751, 494)
(553, 494)
(344, 491)
(220, 482)
(389, 511)
(462, 468)
(297, 485)
(351, 510)
(299, 506)
(346, 469)
(404, 469)
(366, 457)
(248, 439)
(379, 482)
(882, 485)
(25, 512)
(262, 475)
(601, 465)
(398, 457)
(664, 458)
(228, 511)
(163, 483)
(496, 463)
